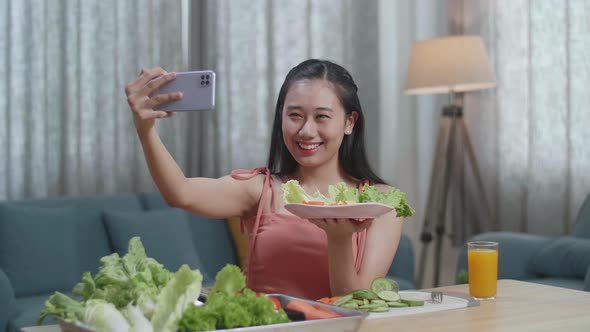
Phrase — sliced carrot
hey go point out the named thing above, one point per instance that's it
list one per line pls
(276, 302)
(314, 202)
(325, 300)
(310, 312)
(334, 299)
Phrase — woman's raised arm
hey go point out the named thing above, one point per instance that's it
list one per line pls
(216, 198)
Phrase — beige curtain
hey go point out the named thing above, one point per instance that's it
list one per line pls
(531, 132)
(65, 128)
(64, 124)
(255, 44)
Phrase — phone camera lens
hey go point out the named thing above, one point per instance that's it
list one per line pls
(202, 77)
(202, 83)
(207, 83)
(208, 76)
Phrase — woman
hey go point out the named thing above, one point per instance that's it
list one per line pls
(318, 140)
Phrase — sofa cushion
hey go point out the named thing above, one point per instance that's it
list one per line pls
(582, 224)
(565, 257)
(39, 247)
(165, 235)
(211, 236)
(7, 300)
(92, 239)
(116, 202)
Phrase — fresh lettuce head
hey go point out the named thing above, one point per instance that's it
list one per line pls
(129, 293)
(132, 278)
(229, 304)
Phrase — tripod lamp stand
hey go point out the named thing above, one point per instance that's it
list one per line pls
(451, 65)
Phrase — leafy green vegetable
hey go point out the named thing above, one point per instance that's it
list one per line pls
(228, 281)
(178, 294)
(138, 322)
(231, 305)
(129, 293)
(131, 278)
(135, 293)
(293, 193)
(104, 317)
(62, 306)
(340, 193)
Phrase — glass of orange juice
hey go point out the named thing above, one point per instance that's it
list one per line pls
(482, 266)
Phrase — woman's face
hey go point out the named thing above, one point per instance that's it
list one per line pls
(314, 122)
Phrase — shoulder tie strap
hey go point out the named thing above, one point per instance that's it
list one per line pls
(245, 174)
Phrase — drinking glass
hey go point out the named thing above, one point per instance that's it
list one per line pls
(482, 266)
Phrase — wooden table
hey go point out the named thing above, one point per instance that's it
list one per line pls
(519, 306)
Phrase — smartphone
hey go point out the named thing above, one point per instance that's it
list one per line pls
(198, 91)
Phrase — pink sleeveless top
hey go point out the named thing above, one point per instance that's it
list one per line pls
(287, 254)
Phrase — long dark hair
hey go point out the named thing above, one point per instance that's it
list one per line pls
(352, 155)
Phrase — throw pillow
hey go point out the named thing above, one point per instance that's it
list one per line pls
(38, 250)
(566, 256)
(165, 234)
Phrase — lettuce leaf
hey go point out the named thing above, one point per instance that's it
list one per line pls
(341, 193)
(178, 295)
(228, 281)
(104, 317)
(293, 193)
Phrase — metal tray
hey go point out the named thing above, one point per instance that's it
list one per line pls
(349, 322)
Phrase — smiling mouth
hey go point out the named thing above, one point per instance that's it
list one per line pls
(308, 147)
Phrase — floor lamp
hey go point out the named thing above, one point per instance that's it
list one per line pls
(451, 65)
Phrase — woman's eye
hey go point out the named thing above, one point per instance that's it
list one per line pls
(295, 115)
(322, 116)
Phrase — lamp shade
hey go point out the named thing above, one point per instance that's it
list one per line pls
(450, 64)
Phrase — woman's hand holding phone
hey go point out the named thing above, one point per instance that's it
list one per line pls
(143, 101)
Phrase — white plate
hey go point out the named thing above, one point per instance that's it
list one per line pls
(449, 302)
(350, 211)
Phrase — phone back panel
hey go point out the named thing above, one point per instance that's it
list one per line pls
(198, 91)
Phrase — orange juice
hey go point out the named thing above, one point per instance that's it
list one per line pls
(483, 271)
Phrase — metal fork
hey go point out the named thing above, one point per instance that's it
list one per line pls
(436, 297)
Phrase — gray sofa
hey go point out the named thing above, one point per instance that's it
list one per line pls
(46, 245)
(558, 261)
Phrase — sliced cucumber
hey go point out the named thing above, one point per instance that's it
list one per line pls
(382, 284)
(413, 302)
(350, 305)
(378, 301)
(390, 296)
(379, 307)
(359, 302)
(364, 294)
(343, 300)
(396, 304)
